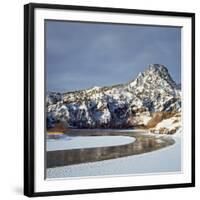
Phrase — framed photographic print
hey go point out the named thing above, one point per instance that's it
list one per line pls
(108, 99)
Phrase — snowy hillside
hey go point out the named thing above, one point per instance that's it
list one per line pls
(141, 103)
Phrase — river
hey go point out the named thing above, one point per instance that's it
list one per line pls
(141, 143)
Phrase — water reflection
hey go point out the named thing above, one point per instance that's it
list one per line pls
(143, 143)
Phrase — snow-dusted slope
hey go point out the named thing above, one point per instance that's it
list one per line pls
(132, 104)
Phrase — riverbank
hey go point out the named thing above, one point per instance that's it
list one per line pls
(164, 160)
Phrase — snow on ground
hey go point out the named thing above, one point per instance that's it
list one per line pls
(164, 160)
(79, 142)
(168, 126)
(169, 123)
(145, 119)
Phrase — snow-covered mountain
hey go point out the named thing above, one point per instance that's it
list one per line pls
(144, 102)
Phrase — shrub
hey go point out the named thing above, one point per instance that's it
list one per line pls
(158, 117)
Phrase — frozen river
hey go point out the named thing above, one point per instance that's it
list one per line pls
(80, 142)
(112, 153)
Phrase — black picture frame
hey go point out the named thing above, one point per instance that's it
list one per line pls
(29, 95)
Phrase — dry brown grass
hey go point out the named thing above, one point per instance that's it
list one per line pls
(54, 133)
(158, 117)
(59, 128)
(175, 121)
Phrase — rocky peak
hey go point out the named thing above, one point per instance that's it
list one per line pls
(157, 67)
(158, 70)
(156, 76)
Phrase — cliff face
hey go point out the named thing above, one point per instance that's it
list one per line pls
(137, 103)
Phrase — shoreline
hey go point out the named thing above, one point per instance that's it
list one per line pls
(146, 163)
(81, 151)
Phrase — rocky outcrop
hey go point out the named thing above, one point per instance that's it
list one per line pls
(130, 105)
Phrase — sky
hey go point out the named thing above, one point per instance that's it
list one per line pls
(83, 55)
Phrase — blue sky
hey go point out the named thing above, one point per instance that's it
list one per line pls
(83, 55)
